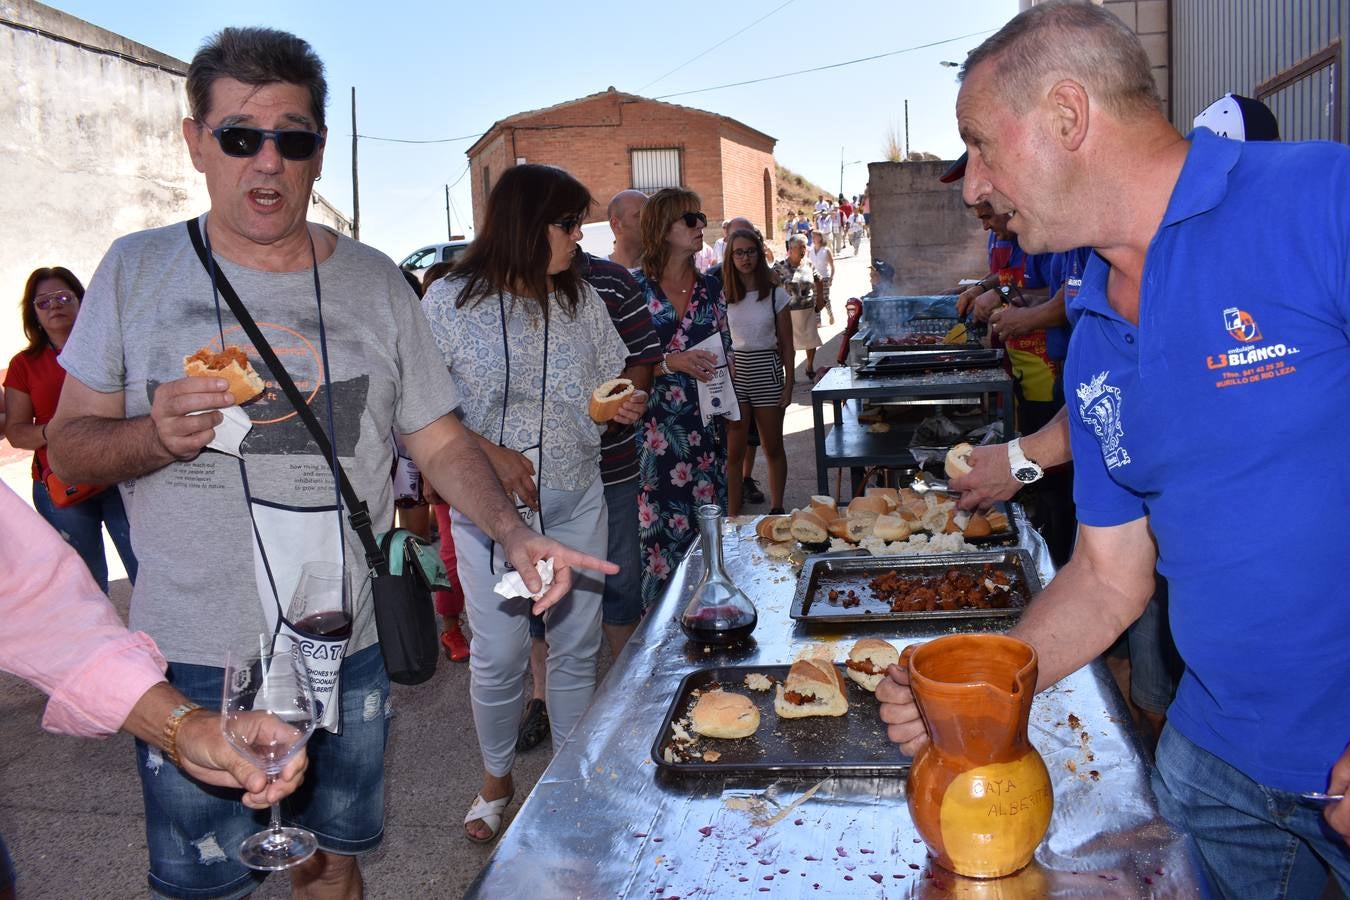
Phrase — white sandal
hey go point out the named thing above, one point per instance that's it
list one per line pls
(490, 812)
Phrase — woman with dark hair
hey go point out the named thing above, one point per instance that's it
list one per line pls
(761, 336)
(51, 301)
(683, 461)
(527, 341)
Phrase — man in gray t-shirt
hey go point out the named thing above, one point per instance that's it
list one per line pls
(348, 329)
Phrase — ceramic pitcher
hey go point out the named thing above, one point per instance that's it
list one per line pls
(979, 792)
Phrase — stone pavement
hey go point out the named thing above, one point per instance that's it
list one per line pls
(71, 809)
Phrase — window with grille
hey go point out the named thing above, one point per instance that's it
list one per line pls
(655, 169)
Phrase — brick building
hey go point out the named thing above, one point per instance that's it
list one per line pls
(612, 141)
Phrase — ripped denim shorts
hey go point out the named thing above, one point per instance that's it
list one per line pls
(193, 831)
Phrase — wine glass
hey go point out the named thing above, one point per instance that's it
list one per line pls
(322, 602)
(267, 714)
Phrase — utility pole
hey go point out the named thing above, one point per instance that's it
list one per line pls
(841, 171)
(449, 232)
(906, 130)
(356, 192)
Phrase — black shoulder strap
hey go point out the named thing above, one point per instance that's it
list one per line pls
(358, 512)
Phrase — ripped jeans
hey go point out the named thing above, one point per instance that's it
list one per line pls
(193, 831)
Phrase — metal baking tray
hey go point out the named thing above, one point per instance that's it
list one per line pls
(819, 576)
(852, 744)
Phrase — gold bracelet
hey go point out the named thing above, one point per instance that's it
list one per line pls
(175, 721)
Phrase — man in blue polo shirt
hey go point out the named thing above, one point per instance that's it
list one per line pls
(1200, 369)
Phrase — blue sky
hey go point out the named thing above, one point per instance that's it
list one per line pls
(430, 70)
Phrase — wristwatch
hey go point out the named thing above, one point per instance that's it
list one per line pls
(1023, 469)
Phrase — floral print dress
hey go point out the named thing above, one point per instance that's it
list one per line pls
(682, 462)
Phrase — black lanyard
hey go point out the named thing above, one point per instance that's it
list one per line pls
(506, 391)
(327, 375)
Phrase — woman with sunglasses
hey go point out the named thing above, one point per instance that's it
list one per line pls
(527, 341)
(51, 301)
(761, 336)
(683, 462)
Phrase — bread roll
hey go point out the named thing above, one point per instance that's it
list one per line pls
(978, 526)
(851, 529)
(958, 461)
(809, 528)
(891, 528)
(608, 397)
(774, 528)
(872, 504)
(824, 506)
(819, 687)
(890, 495)
(722, 714)
(867, 662)
(914, 504)
(231, 364)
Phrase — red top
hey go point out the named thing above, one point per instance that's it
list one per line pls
(39, 376)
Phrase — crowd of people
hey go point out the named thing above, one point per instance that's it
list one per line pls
(484, 385)
(1101, 216)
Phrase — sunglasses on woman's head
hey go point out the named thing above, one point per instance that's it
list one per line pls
(294, 144)
(693, 219)
(54, 298)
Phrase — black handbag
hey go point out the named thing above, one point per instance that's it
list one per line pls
(405, 616)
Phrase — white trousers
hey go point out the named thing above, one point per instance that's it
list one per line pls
(500, 651)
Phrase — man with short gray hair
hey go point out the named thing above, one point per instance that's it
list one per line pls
(1193, 368)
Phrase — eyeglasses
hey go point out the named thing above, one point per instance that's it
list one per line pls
(694, 219)
(294, 144)
(54, 298)
(745, 253)
(569, 224)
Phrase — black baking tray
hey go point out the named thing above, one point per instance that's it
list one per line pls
(926, 359)
(819, 576)
(852, 744)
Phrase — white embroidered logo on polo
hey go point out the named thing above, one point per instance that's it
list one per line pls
(1099, 404)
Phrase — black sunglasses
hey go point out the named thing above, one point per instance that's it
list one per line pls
(694, 219)
(569, 224)
(294, 144)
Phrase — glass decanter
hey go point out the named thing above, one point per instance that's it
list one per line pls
(718, 613)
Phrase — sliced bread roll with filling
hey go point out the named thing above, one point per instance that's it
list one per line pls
(852, 529)
(813, 687)
(868, 504)
(867, 662)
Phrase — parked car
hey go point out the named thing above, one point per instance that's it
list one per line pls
(420, 260)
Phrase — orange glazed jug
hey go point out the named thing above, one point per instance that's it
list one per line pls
(979, 792)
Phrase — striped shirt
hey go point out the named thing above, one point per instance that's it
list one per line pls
(627, 305)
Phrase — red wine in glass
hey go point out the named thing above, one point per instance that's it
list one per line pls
(329, 623)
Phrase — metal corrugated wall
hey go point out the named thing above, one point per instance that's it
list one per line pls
(1235, 45)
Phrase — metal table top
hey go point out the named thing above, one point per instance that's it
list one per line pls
(842, 383)
(604, 822)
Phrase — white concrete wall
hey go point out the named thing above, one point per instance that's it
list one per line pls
(90, 148)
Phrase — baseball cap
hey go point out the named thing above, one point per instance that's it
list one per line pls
(1240, 118)
(955, 171)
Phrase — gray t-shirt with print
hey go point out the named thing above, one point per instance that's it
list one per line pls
(149, 305)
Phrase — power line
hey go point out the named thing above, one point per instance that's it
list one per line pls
(467, 137)
(461, 175)
(837, 65)
(715, 46)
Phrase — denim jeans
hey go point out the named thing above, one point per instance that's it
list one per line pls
(81, 526)
(1155, 665)
(1253, 841)
(193, 831)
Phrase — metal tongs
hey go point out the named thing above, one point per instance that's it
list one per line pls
(924, 482)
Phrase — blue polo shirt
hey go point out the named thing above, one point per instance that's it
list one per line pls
(1223, 417)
